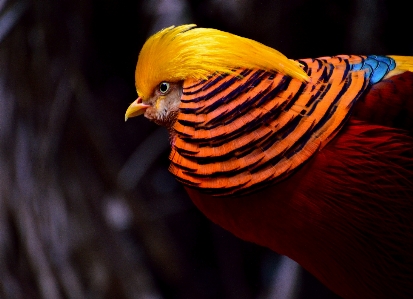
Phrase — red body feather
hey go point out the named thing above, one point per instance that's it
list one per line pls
(346, 215)
(389, 103)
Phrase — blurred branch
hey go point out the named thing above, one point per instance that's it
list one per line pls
(45, 224)
(11, 15)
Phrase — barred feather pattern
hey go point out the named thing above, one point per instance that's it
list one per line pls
(345, 216)
(239, 132)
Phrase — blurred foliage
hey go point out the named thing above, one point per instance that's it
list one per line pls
(87, 207)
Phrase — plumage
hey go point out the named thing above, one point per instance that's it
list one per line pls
(172, 55)
(312, 158)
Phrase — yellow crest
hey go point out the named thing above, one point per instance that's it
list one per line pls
(178, 53)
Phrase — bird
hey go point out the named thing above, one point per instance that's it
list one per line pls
(312, 158)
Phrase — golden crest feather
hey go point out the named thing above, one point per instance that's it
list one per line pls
(178, 53)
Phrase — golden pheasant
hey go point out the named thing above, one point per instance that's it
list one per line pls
(312, 158)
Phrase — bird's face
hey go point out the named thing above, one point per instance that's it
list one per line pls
(162, 107)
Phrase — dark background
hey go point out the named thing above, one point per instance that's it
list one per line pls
(87, 206)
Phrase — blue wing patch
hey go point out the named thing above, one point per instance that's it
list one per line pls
(377, 67)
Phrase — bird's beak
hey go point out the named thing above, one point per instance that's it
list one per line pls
(135, 109)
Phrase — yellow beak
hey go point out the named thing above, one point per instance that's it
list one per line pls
(135, 109)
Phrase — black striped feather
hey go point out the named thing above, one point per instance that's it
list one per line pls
(236, 133)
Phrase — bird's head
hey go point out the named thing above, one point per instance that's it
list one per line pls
(175, 54)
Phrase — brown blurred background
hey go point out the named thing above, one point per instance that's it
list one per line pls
(87, 206)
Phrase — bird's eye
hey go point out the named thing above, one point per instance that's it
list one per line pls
(164, 87)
